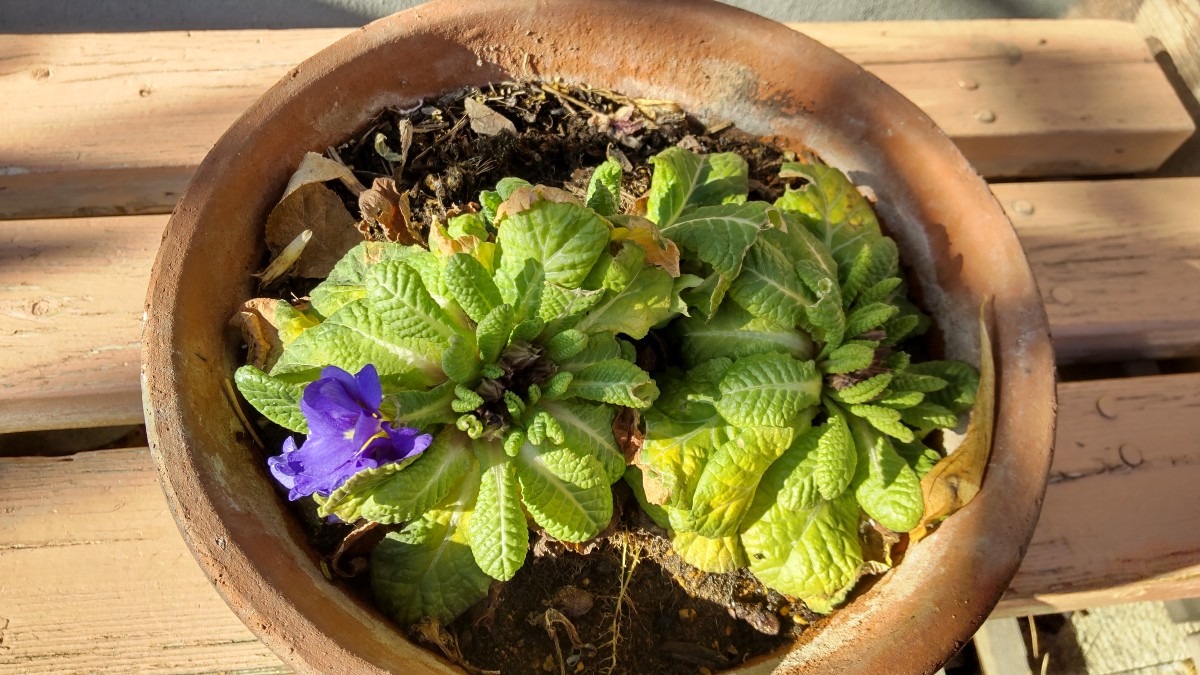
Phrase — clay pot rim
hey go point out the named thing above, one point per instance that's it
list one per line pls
(1024, 357)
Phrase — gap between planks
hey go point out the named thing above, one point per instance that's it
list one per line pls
(1116, 262)
(93, 532)
(114, 124)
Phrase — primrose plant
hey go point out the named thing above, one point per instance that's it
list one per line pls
(458, 391)
(455, 389)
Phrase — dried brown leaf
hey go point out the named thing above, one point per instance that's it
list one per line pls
(485, 121)
(316, 168)
(385, 207)
(660, 251)
(313, 206)
(256, 321)
(955, 480)
(524, 197)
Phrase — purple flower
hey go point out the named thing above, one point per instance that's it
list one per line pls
(345, 435)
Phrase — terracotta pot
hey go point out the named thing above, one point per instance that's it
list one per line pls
(718, 62)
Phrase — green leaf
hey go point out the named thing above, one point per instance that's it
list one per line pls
(850, 357)
(357, 335)
(587, 429)
(615, 381)
(880, 292)
(768, 286)
(468, 225)
(884, 419)
(522, 289)
(291, 322)
(566, 493)
(793, 477)
(801, 246)
(394, 493)
(730, 477)
(715, 555)
(648, 300)
(825, 319)
(900, 400)
(813, 554)
(460, 361)
(600, 347)
(836, 457)
(768, 390)
(277, 400)
(682, 432)
(926, 416)
(471, 285)
(427, 569)
(733, 332)
(489, 201)
(497, 532)
(908, 380)
(864, 391)
(720, 236)
(563, 307)
(346, 281)
(397, 293)
(615, 272)
(962, 383)
(493, 332)
(604, 189)
(509, 185)
(566, 344)
(918, 456)
(683, 179)
(421, 409)
(885, 485)
(873, 264)
(565, 238)
(869, 317)
(832, 209)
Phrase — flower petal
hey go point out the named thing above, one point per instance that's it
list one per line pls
(370, 391)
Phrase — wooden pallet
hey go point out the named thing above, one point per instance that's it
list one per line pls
(93, 574)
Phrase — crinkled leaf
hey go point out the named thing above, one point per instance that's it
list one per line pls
(615, 381)
(427, 569)
(398, 294)
(684, 179)
(522, 289)
(357, 335)
(497, 532)
(562, 307)
(394, 493)
(900, 400)
(836, 457)
(832, 209)
(565, 238)
(884, 419)
(907, 380)
(566, 493)
(460, 361)
(881, 292)
(825, 318)
(471, 285)
(957, 478)
(793, 477)
(493, 332)
(962, 381)
(600, 347)
(347, 280)
(647, 301)
(509, 185)
(277, 400)
(850, 357)
(813, 554)
(864, 391)
(587, 429)
(874, 263)
(885, 485)
(728, 481)
(681, 434)
(768, 286)
(918, 455)
(720, 236)
(660, 251)
(869, 317)
(468, 225)
(768, 390)
(604, 189)
(927, 416)
(733, 332)
(710, 554)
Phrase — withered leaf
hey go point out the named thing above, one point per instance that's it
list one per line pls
(524, 197)
(955, 480)
(255, 320)
(385, 207)
(660, 251)
(315, 168)
(313, 206)
(485, 121)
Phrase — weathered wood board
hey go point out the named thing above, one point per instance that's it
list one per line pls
(115, 124)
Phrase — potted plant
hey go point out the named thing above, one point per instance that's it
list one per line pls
(949, 231)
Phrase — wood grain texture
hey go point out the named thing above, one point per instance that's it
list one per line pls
(1117, 262)
(113, 124)
(1121, 520)
(94, 576)
(92, 531)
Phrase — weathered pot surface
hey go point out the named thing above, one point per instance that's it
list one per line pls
(717, 62)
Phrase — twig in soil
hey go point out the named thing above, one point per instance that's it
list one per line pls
(430, 630)
(627, 568)
(458, 125)
(335, 561)
(237, 408)
(549, 89)
(551, 618)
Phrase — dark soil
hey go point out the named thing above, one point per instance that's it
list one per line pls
(624, 603)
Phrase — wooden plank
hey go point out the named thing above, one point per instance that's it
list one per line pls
(71, 295)
(94, 576)
(1116, 262)
(93, 532)
(1121, 519)
(1001, 648)
(135, 113)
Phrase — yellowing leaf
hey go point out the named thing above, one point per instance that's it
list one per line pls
(660, 251)
(955, 480)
